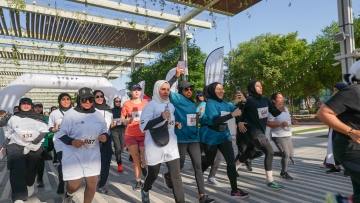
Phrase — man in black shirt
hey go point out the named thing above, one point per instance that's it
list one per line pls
(342, 113)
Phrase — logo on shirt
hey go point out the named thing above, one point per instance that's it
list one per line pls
(82, 122)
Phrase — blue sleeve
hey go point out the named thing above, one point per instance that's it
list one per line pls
(175, 98)
(232, 107)
(211, 111)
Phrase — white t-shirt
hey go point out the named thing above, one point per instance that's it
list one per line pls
(23, 131)
(108, 116)
(281, 131)
(153, 153)
(55, 118)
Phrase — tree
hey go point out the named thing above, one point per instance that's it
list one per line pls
(158, 69)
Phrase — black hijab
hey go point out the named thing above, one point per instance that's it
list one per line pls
(84, 92)
(211, 91)
(252, 90)
(29, 114)
(116, 111)
(102, 106)
(59, 99)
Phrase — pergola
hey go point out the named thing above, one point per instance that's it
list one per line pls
(95, 38)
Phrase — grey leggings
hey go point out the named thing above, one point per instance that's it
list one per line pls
(285, 146)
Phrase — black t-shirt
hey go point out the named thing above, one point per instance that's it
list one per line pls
(256, 113)
(346, 104)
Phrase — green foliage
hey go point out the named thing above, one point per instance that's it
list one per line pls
(158, 69)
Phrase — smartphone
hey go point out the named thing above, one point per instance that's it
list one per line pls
(237, 89)
(181, 64)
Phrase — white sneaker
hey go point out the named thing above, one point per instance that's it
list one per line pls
(104, 190)
(30, 190)
(19, 201)
(213, 181)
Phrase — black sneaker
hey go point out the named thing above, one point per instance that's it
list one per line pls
(137, 186)
(248, 165)
(144, 196)
(285, 175)
(40, 184)
(333, 170)
(167, 181)
(206, 199)
(143, 171)
(239, 194)
(346, 174)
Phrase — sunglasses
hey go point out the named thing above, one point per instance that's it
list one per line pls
(101, 96)
(117, 101)
(90, 99)
(188, 89)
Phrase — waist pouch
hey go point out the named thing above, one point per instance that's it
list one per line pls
(219, 128)
(160, 135)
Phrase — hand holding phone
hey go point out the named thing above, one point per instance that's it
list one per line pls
(181, 64)
(238, 89)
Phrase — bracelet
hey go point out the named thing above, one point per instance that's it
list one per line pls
(350, 131)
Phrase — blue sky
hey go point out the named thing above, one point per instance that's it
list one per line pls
(307, 17)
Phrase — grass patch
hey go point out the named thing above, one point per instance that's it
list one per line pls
(309, 130)
(323, 136)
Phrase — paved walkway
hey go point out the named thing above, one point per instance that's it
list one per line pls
(310, 182)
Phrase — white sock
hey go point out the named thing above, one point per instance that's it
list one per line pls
(269, 176)
(69, 194)
(238, 164)
(30, 190)
(138, 179)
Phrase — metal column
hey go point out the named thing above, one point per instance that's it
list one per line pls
(346, 26)
(183, 43)
(132, 64)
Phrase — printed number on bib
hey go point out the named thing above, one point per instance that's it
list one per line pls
(28, 135)
(136, 115)
(263, 112)
(191, 119)
(89, 142)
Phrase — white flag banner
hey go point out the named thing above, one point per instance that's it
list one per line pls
(142, 85)
(214, 66)
(169, 75)
(123, 96)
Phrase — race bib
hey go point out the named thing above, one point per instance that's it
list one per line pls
(263, 112)
(89, 142)
(136, 115)
(28, 135)
(118, 121)
(191, 119)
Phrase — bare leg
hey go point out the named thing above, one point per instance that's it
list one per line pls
(134, 151)
(90, 188)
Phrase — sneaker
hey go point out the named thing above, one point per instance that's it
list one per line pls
(144, 196)
(248, 165)
(212, 181)
(30, 190)
(40, 184)
(104, 190)
(167, 181)
(206, 199)
(68, 198)
(333, 170)
(143, 171)
(137, 186)
(60, 190)
(346, 174)
(333, 198)
(120, 168)
(19, 201)
(274, 185)
(285, 175)
(239, 194)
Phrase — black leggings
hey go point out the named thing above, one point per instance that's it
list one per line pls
(23, 170)
(227, 151)
(195, 155)
(117, 135)
(255, 145)
(215, 166)
(174, 168)
(106, 154)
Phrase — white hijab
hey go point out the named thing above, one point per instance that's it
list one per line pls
(156, 95)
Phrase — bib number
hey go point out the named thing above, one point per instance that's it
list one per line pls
(263, 112)
(191, 119)
(27, 136)
(89, 142)
(136, 115)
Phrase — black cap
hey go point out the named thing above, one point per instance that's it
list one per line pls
(25, 99)
(38, 104)
(85, 92)
(135, 86)
(184, 85)
(199, 93)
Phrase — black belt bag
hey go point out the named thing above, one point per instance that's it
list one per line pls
(160, 135)
(220, 128)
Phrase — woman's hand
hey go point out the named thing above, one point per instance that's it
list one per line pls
(102, 138)
(284, 124)
(236, 113)
(165, 114)
(241, 126)
(355, 136)
(179, 71)
(240, 97)
(178, 125)
(77, 143)
(1, 149)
